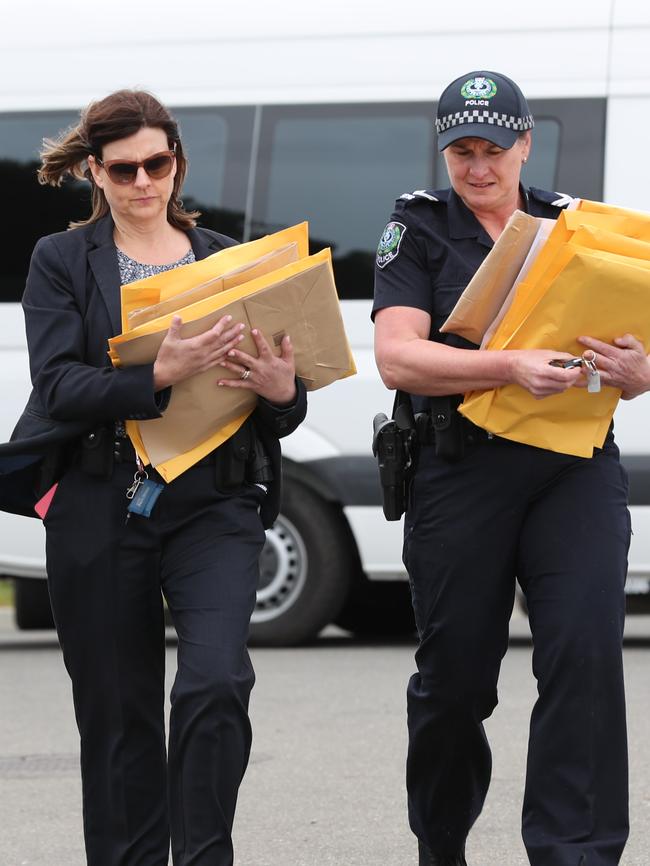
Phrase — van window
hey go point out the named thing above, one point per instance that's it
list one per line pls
(217, 143)
(341, 168)
(34, 210)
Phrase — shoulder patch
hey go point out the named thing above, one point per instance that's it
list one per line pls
(389, 243)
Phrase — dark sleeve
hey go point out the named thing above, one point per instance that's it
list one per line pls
(402, 277)
(69, 387)
(282, 420)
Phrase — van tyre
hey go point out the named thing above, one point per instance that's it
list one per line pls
(305, 570)
(32, 604)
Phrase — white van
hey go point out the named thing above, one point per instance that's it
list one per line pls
(288, 112)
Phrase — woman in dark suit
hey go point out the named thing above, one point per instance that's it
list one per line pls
(200, 546)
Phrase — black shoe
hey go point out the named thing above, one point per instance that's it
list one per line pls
(428, 858)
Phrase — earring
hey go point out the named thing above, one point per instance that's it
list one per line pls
(525, 160)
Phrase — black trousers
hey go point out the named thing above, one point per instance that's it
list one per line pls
(105, 575)
(561, 526)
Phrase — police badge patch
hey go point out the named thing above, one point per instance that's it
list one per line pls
(389, 242)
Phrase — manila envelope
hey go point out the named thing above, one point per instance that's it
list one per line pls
(545, 227)
(299, 299)
(578, 300)
(486, 292)
(257, 268)
(161, 287)
(618, 222)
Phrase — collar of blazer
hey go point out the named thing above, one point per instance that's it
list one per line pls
(103, 262)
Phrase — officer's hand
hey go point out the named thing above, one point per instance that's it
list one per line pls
(179, 358)
(269, 376)
(623, 365)
(531, 369)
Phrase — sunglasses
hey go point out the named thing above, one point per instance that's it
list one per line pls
(125, 171)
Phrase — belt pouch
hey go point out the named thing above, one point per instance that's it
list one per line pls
(97, 453)
(447, 429)
(230, 460)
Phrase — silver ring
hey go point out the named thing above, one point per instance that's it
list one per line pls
(245, 374)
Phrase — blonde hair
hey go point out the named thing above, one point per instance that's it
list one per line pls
(117, 116)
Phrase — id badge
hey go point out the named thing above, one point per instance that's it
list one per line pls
(145, 498)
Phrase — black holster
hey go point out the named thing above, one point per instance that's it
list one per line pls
(396, 447)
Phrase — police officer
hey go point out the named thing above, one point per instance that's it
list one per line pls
(485, 511)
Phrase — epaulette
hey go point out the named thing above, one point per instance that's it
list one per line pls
(556, 199)
(428, 195)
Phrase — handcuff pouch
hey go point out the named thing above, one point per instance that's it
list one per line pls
(96, 452)
(446, 422)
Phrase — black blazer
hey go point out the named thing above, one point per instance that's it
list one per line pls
(72, 307)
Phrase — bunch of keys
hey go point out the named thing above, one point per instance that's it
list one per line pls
(588, 359)
(143, 493)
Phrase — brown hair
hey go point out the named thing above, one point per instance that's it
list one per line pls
(116, 116)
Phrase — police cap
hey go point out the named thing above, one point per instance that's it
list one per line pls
(482, 104)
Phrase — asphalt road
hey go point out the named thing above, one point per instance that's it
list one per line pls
(325, 785)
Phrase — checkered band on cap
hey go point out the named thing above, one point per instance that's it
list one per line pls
(508, 121)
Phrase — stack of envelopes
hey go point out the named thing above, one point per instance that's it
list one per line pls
(587, 274)
(272, 284)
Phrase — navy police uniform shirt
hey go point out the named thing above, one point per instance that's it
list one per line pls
(432, 247)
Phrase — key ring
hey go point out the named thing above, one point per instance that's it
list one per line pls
(589, 357)
(593, 381)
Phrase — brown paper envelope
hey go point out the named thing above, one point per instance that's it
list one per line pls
(545, 227)
(304, 305)
(147, 314)
(166, 285)
(198, 407)
(486, 292)
(264, 265)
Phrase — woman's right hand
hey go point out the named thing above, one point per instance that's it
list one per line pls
(179, 358)
(531, 369)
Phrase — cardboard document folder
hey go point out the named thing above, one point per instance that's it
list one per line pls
(298, 298)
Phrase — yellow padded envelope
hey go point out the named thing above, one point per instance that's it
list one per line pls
(161, 287)
(583, 291)
(298, 299)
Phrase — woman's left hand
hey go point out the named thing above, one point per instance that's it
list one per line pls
(269, 376)
(623, 364)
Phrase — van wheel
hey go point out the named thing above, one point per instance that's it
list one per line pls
(32, 604)
(305, 570)
(378, 608)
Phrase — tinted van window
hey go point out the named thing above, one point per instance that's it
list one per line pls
(341, 168)
(35, 210)
(217, 142)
